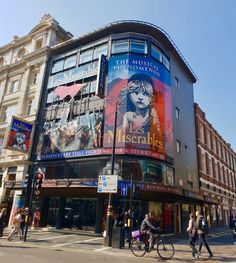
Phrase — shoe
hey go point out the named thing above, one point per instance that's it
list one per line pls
(210, 256)
(9, 239)
(197, 254)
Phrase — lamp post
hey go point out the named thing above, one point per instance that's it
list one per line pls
(109, 220)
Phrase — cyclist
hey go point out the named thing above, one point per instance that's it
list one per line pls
(148, 229)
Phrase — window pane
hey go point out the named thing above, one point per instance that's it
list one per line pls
(14, 86)
(166, 61)
(70, 62)
(86, 56)
(93, 86)
(120, 46)
(57, 66)
(156, 53)
(100, 50)
(138, 46)
(8, 113)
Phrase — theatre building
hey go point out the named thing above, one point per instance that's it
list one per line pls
(130, 75)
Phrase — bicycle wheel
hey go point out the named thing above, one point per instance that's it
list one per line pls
(138, 247)
(165, 249)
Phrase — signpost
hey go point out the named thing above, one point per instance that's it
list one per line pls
(107, 184)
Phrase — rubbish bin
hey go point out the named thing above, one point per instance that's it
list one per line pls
(118, 237)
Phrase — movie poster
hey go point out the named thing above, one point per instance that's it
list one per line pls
(141, 86)
(19, 135)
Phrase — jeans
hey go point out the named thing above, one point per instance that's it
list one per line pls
(202, 240)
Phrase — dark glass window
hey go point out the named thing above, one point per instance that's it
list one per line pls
(72, 170)
(89, 169)
(57, 66)
(165, 61)
(70, 62)
(100, 50)
(120, 46)
(138, 46)
(86, 56)
(156, 53)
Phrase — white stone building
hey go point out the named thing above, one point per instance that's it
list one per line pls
(22, 67)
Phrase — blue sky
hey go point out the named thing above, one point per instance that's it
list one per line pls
(203, 30)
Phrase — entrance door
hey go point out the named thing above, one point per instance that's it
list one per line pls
(177, 218)
(80, 213)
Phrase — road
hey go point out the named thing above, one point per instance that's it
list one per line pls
(44, 246)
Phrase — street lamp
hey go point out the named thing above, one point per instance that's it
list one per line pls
(109, 220)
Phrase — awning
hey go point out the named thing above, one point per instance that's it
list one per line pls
(63, 91)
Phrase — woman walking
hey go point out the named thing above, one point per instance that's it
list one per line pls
(192, 231)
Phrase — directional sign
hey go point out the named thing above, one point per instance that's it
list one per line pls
(124, 191)
(107, 184)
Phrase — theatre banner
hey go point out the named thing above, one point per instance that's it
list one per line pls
(19, 135)
(141, 87)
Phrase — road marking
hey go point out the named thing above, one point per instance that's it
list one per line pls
(102, 249)
(77, 242)
(48, 238)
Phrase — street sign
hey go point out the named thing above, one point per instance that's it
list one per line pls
(124, 191)
(107, 184)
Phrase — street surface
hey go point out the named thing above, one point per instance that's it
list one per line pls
(44, 246)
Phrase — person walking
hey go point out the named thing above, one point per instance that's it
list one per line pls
(2, 220)
(16, 222)
(192, 231)
(202, 231)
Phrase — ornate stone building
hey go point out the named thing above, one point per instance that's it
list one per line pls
(22, 67)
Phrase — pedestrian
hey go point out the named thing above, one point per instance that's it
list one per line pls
(193, 235)
(24, 217)
(234, 229)
(202, 231)
(2, 220)
(36, 218)
(16, 222)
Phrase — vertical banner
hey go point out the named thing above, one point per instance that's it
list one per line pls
(144, 114)
(101, 77)
(19, 135)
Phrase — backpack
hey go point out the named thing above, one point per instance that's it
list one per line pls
(203, 225)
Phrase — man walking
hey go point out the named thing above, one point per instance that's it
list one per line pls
(202, 231)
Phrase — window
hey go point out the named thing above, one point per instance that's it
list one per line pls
(8, 112)
(165, 61)
(138, 46)
(178, 146)
(39, 43)
(1, 61)
(177, 113)
(210, 166)
(86, 56)
(201, 132)
(70, 62)
(14, 86)
(208, 139)
(203, 160)
(29, 107)
(1, 143)
(57, 66)
(100, 50)
(176, 83)
(34, 76)
(156, 53)
(120, 46)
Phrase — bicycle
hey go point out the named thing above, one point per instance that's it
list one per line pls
(139, 246)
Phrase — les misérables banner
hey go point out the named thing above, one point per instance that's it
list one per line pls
(19, 135)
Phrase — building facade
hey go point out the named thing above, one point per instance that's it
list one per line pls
(217, 167)
(128, 75)
(22, 69)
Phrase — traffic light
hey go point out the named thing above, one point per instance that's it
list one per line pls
(38, 182)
